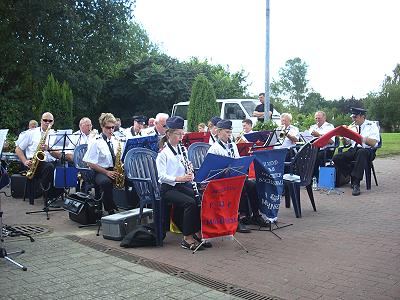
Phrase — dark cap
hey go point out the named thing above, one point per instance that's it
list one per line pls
(224, 124)
(215, 120)
(357, 111)
(175, 122)
(140, 119)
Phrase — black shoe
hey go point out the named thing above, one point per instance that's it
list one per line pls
(245, 220)
(259, 221)
(205, 244)
(242, 228)
(356, 190)
(192, 246)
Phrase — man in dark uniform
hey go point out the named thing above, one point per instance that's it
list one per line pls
(259, 110)
(360, 153)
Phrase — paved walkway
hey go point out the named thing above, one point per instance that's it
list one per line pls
(348, 249)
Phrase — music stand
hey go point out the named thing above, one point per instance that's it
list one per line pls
(195, 137)
(218, 167)
(60, 140)
(3, 252)
(148, 142)
(258, 136)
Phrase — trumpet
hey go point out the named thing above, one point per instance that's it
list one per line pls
(239, 138)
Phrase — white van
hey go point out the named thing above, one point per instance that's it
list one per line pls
(235, 110)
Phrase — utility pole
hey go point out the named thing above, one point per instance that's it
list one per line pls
(267, 90)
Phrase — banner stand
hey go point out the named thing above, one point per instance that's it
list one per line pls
(219, 207)
(269, 168)
(271, 229)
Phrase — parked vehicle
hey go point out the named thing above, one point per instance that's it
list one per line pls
(235, 110)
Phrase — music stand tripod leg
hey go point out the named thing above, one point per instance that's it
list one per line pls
(3, 251)
(240, 244)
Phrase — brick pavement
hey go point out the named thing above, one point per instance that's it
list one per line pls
(348, 249)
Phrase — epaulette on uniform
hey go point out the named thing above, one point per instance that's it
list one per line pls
(369, 123)
(98, 137)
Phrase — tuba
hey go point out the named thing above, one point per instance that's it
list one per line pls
(39, 155)
(119, 182)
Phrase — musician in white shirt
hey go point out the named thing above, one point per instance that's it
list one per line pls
(174, 179)
(26, 149)
(100, 157)
(213, 129)
(225, 147)
(317, 130)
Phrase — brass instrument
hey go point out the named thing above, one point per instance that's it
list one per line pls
(189, 169)
(282, 135)
(39, 155)
(119, 182)
(239, 138)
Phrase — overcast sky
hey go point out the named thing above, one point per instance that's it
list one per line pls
(348, 45)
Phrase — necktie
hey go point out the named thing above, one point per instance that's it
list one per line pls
(110, 147)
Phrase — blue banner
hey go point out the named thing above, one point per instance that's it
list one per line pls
(269, 166)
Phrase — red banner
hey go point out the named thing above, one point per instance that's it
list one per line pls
(195, 137)
(219, 208)
(340, 131)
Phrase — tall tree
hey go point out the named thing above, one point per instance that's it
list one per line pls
(203, 103)
(292, 83)
(57, 99)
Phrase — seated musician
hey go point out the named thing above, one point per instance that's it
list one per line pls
(247, 125)
(119, 132)
(201, 127)
(100, 157)
(174, 179)
(159, 127)
(318, 129)
(360, 153)
(136, 128)
(290, 135)
(27, 148)
(213, 129)
(225, 147)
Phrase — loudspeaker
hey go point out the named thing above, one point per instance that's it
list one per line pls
(18, 186)
(82, 208)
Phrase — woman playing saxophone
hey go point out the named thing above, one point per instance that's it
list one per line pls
(101, 158)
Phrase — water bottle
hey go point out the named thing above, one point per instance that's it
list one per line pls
(314, 184)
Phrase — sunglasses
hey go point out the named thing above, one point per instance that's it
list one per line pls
(109, 127)
(47, 120)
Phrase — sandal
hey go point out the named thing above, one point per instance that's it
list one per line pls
(205, 244)
(191, 246)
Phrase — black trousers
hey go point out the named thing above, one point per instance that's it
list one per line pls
(106, 185)
(182, 196)
(361, 156)
(45, 174)
(249, 202)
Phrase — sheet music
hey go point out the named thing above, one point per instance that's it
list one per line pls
(56, 138)
(306, 136)
(3, 137)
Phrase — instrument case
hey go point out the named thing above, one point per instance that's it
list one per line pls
(18, 186)
(116, 226)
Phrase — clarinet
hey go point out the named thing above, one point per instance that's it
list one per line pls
(189, 169)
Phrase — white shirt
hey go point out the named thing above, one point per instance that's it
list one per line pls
(287, 143)
(224, 150)
(129, 135)
(326, 127)
(29, 141)
(98, 152)
(213, 139)
(169, 166)
(370, 130)
(120, 133)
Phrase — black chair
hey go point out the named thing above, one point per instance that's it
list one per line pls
(196, 153)
(87, 175)
(329, 152)
(141, 170)
(369, 166)
(299, 172)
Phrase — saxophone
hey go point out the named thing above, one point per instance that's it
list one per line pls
(39, 155)
(119, 182)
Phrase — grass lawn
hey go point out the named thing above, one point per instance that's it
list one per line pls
(390, 145)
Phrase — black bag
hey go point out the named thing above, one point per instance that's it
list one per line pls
(341, 179)
(142, 235)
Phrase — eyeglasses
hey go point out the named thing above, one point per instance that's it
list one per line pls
(47, 121)
(179, 133)
(109, 127)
